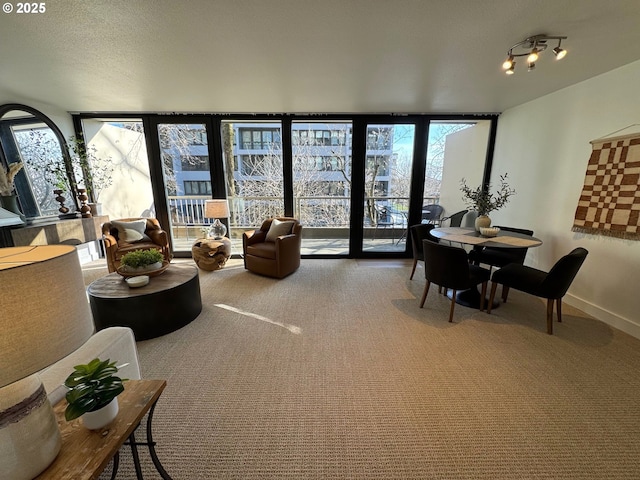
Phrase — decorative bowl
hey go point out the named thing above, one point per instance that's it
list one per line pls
(126, 273)
(138, 281)
(489, 231)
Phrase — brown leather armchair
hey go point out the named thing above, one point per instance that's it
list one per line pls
(273, 252)
(153, 236)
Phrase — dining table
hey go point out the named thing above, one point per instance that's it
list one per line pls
(471, 237)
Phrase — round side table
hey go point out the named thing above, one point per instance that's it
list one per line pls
(211, 254)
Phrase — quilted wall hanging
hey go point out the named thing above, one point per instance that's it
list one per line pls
(610, 200)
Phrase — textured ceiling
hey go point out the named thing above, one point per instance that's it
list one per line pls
(325, 56)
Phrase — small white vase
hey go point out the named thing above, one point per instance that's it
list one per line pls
(102, 417)
(482, 221)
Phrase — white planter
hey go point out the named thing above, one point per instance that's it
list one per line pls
(102, 417)
(96, 209)
(141, 270)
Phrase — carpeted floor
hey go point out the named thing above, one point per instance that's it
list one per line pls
(336, 373)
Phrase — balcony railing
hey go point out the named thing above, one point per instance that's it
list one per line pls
(316, 212)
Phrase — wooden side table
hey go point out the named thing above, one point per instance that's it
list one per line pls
(86, 453)
(211, 254)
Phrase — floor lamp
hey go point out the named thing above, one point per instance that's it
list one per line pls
(44, 317)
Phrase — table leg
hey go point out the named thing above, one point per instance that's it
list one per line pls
(152, 449)
(471, 298)
(134, 454)
(116, 464)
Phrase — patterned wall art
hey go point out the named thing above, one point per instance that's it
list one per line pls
(610, 200)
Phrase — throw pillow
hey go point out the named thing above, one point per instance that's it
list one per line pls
(130, 232)
(278, 229)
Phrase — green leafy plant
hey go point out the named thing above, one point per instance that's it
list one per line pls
(96, 170)
(91, 387)
(141, 258)
(483, 201)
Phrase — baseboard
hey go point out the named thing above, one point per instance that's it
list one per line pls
(603, 315)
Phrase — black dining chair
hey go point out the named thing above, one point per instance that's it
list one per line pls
(448, 267)
(432, 213)
(551, 285)
(418, 233)
(499, 257)
(455, 220)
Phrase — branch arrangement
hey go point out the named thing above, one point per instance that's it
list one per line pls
(483, 201)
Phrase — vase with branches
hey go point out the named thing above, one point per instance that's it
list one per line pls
(483, 201)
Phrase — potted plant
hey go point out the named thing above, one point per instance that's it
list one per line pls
(483, 201)
(96, 171)
(93, 391)
(142, 260)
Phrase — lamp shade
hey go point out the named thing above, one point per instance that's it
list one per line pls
(8, 218)
(44, 313)
(216, 209)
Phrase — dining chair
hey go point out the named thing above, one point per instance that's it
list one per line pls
(418, 233)
(448, 267)
(432, 213)
(455, 220)
(499, 257)
(385, 220)
(551, 285)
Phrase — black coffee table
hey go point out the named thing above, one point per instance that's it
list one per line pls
(169, 302)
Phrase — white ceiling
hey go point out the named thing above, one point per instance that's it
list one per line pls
(297, 56)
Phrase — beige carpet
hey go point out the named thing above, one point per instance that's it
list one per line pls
(336, 373)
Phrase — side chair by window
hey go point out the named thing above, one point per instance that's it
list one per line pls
(384, 220)
(128, 234)
(448, 267)
(274, 249)
(551, 285)
(455, 220)
(432, 213)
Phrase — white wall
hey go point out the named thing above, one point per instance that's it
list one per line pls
(544, 146)
(465, 156)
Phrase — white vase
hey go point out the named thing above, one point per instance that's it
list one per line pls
(102, 417)
(482, 221)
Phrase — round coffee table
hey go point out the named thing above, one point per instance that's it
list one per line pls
(169, 302)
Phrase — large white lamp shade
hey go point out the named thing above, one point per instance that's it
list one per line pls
(44, 316)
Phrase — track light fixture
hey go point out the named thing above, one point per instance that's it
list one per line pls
(531, 48)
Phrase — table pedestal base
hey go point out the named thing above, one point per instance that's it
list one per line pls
(471, 298)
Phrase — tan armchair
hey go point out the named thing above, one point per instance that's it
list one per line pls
(274, 249)
(129, 234)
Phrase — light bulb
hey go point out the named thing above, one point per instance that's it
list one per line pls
(533, 56)
(512, 69)
(560, 53)
(531, 67)
(508, 63)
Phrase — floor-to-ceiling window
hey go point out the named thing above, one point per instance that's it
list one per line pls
(356, 182)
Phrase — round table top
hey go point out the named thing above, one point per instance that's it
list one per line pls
(114, 286)
(469, 236)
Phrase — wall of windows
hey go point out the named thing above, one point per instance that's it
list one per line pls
(335, 174)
